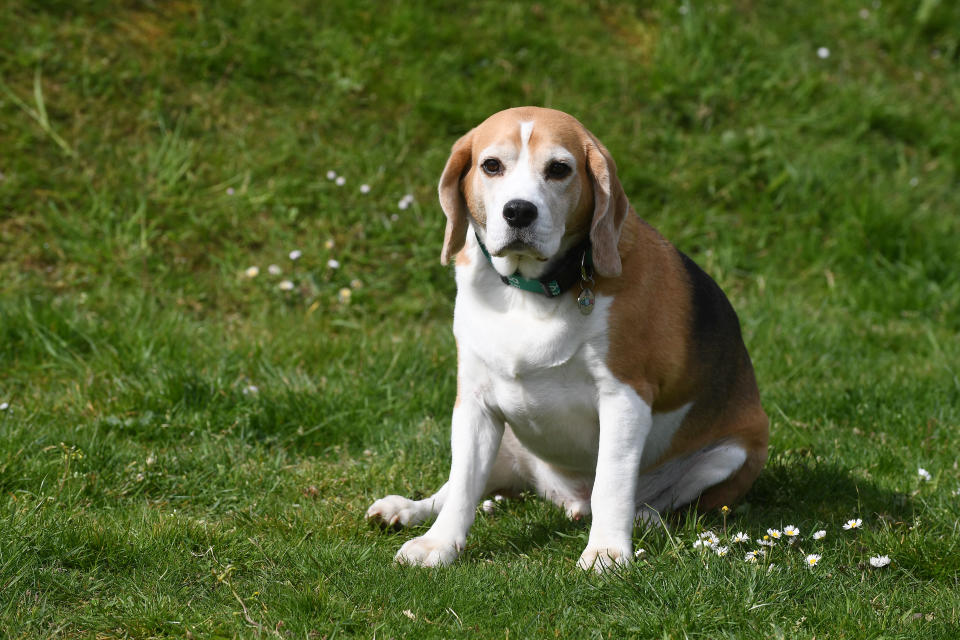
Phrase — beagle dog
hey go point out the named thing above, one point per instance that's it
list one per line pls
(597, 365)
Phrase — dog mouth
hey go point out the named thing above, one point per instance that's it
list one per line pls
(520, 247)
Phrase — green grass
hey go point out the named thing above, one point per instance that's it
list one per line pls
(151, 152)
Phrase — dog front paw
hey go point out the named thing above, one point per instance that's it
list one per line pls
(428, 552)
(397, 511)
(601, 558)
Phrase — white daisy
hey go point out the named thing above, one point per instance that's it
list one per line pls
(250, 389)
(498, 498)
(854, 524)
(333, 264)
(741, 537)
(817, 535)
(403, 204)
(4, 406)
(488, 506)
(331, 175)
(340, 181)
(791, 531)
(639, 552)
(879, 561)
(364, 188)
(812, 559)
(285, 285)
(924, 474)
(721, 551)
(274, 270)
(751, 556)
(344, 295)
(765, 541)
(230, 191)
(823, 53)
(252, 272)
(295, 254)
(774, 533)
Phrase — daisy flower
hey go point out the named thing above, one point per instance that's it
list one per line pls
(295, 254)
(818, 535)
(274, 270)
(333, 264)
(639, 552)
(721, 551)
(823, 53)
(4, 406)
(498, 498)
(250, 389)
(924, 474)
(791, 531)
(488, 506)
(285, 285)
(252, 272)
(879, 561)
(331, 175)
(364, 188)
(774, 533)
(709, 539)
(344, 295)
(856, 523)
(765, 541)
(340, 181)
(812, 559)
(741, 537)
(751, 556)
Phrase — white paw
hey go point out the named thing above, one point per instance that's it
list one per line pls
(601, 558)
(577, 509)
(397, 511)
(428, 552)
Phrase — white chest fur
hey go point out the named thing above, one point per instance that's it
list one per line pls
(532, 361)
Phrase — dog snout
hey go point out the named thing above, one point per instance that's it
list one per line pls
(519, 213)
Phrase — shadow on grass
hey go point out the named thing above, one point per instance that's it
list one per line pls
(791, 490)
(800, 488)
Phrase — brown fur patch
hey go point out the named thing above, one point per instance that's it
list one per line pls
(654, 349)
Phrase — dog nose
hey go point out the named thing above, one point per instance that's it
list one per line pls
(519, 213)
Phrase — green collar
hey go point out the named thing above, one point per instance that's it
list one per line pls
(575, 266)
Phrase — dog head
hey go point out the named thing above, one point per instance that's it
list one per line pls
(533, 183)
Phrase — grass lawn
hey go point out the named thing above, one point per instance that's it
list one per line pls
(188, 451)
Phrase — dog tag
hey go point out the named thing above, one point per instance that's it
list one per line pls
(585, 302)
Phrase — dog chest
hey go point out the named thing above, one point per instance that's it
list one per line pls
(534, 368)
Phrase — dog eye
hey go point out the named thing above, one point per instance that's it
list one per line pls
(492, 166)
(557, 170)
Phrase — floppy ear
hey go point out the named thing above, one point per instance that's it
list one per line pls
(451, 197)
(609, 209)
